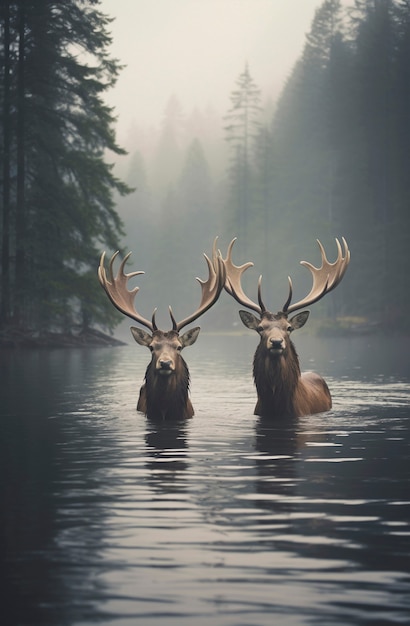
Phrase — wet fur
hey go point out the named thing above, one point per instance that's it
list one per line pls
(282, 390)
(166, 397)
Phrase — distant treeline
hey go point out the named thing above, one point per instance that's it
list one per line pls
(331, 158)
(339, 155)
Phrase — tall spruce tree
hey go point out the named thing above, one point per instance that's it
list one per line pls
(304, 155)
(339, 153)
(242, 127)
(167, 159)
(374, 80)
(400, 201)
(195, 198)
(61, 198)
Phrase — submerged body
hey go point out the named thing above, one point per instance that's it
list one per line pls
(283, 391)
(158, 406)
(164, 395)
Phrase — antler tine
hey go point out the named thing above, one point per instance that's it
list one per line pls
(211, 288)
(325, 278)
(173, 320)
(288, 301)
(116, 289)
(233, 282)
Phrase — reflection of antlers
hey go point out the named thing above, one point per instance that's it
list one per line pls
(123, 298)
(325, 278)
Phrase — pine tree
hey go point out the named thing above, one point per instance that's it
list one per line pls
(195, 200)
(304, 161)
(380, 83)
(6, 165)
(63, 209)
(243, 123)
(340, 152)
(167, 160)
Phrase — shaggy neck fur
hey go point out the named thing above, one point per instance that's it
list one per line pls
(276, 379)
(167, 396)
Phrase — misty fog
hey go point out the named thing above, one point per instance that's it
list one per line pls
(295, 171)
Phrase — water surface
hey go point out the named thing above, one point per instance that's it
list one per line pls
(226, 520)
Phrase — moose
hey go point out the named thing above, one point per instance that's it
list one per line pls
(165, 392)
(282, 390)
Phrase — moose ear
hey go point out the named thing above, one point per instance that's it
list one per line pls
(140, 336)
(299, 320)
(190, 336)
(249, 320)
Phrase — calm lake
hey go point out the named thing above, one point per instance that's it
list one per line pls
(226, 520)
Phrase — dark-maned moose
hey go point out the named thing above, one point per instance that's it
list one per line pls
(165, 392)
(281, 388)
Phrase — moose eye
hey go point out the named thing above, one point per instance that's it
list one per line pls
(179, 348)
(260, 329)
(289, 329)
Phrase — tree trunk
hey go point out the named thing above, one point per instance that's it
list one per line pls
(20, 199)
(5, 242)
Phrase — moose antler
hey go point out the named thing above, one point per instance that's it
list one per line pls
(116, 289)
(233, 282)
(325, 278)
(211, 288)
(124, 299)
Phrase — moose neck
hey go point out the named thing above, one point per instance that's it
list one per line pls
(167, 396)
(276, 379)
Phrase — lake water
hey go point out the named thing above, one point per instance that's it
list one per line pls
(226, 520)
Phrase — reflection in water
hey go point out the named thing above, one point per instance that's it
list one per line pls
(334, 500)
(166, 454)
(50, 504)
(223, 520)
(277, 445)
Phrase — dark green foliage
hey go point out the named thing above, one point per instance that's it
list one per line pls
(337, 158)
(60, 186)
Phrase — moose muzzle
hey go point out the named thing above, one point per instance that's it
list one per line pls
(165, 365)
(276, 343)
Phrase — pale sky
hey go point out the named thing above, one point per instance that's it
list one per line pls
(196, 50)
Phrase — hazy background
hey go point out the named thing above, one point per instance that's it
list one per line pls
(195, 50)
(327, 155)
(182, 60)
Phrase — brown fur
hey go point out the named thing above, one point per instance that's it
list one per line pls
(166, 397)
(165, 392)
(282, 390)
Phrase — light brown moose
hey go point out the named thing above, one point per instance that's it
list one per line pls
(165, 392)
(282, 390)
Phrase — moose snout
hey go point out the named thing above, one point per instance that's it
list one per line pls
(165, 366)
(276, 344)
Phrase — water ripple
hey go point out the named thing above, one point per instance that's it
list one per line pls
(226, 520)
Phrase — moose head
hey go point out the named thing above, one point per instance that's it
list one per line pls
(281, 388)
(165, 393)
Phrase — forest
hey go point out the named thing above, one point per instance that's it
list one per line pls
(330, 158)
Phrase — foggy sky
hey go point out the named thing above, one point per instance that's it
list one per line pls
(196, 50)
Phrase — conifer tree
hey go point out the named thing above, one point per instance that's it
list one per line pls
(62, 210)
(242, 126)
(167, 159)
(303, 157)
